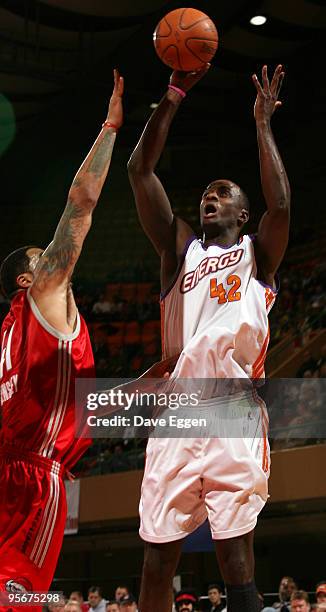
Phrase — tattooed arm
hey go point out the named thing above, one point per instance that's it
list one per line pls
(51, 286)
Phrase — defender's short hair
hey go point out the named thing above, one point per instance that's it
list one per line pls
(15, 263)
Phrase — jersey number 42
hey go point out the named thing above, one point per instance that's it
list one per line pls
(226, 294)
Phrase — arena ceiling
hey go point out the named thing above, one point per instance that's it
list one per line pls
(48, 46)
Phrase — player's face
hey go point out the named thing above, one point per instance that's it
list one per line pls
(298, 605)
(220, 205)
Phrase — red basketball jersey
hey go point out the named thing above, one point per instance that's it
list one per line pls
(38, 369)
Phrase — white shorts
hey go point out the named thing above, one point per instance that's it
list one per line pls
(223, 478)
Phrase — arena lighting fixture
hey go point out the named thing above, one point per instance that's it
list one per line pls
(258, 20)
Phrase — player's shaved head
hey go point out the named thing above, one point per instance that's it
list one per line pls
(16, 263)
(244, 200)
(224, 209)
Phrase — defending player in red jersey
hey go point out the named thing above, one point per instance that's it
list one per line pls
(217, 293)
(45, 346)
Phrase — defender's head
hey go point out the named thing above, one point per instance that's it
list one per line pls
(18, 269)
(223, 206)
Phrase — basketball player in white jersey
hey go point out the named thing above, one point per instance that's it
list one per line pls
(217, 292)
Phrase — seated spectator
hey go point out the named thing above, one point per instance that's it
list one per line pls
(128, 603)
(185, 601)
(300, 602)
(78, 596)
(112, 606)
(72, 606)
(322, 359)
(121, 591)
(305, 425)
(309, 363)
(95, 599)
(214, 593)
(286, 588)
(321, 592)
(119, 461)
(57, 607)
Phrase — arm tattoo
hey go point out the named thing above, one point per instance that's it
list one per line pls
(62, 254)
(63, 251)
(103, 155)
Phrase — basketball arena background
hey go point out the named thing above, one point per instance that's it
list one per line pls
(56, 61)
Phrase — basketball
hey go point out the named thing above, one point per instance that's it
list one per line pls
(185, 39)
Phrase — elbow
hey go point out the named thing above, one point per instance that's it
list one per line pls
(281, 210)
(282, 200)
(84, 197)
(283, 203)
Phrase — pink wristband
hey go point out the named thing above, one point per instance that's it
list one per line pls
(178, 90)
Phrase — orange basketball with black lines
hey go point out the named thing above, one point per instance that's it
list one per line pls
(185, 39)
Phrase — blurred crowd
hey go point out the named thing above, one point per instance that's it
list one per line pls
(300, 307)
(288, 599)
(296, 411)
(112, 455)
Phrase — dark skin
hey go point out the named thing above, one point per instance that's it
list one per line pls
(169, 233)
(223, 213)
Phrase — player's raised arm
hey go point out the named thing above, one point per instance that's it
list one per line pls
(153, 205)
(55, 267)
(273, 231)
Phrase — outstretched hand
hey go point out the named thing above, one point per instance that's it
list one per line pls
(186, 80)
(267, 95)
(115, 112)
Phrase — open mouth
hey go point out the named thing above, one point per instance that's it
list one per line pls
(210, 209)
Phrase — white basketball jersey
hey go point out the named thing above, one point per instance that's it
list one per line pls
(216, 313)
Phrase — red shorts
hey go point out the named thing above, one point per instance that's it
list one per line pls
(32, 520)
